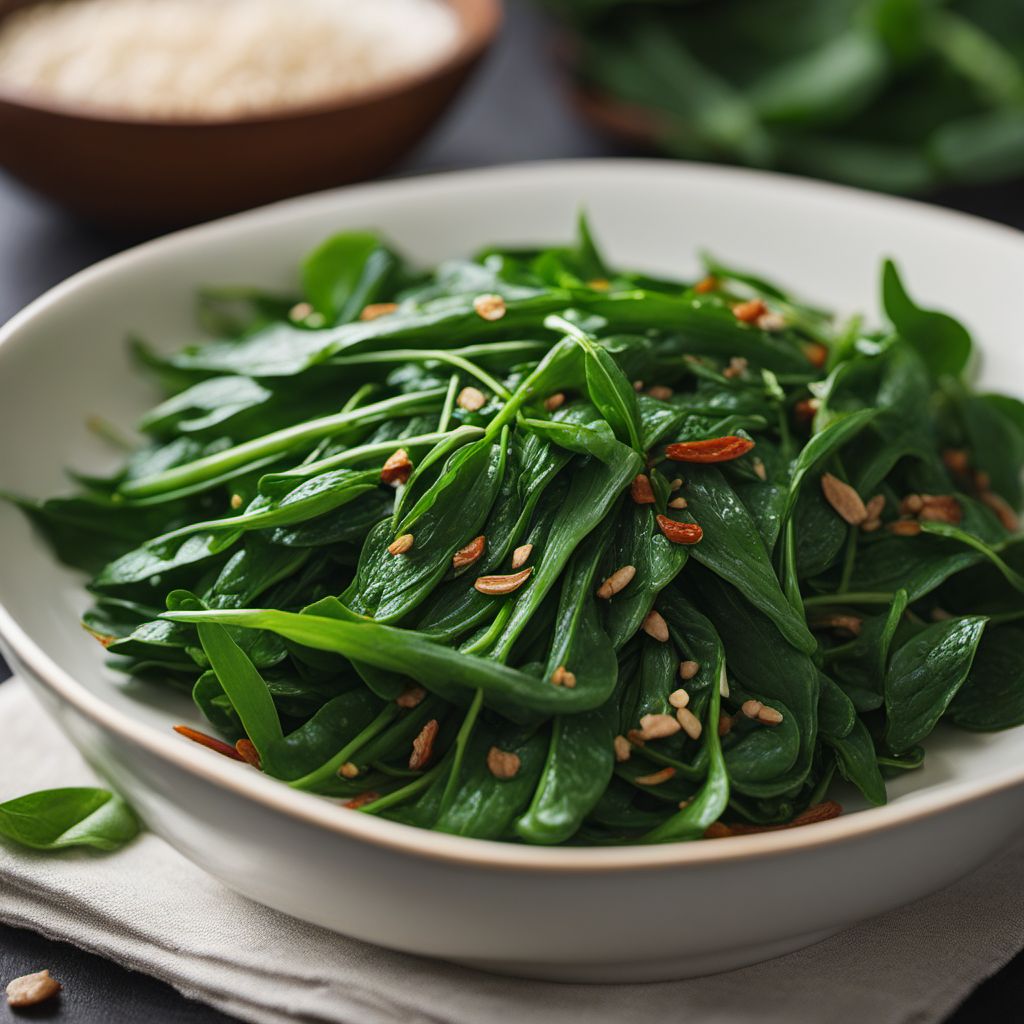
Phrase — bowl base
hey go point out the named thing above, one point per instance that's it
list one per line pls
(675, 968)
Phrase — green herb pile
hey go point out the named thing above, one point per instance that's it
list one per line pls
(529, 548)
(900, 95)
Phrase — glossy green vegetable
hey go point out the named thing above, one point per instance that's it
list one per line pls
(55, 819)
(897, 95)
(436, 563)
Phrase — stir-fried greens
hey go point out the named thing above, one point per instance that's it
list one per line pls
(530, 548)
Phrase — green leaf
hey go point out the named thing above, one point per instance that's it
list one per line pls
(993, 695)
(56, 819)
(732, 548)
(240, 680)
(941, 341)
(346, 273)
(855, 758)
(925, 675)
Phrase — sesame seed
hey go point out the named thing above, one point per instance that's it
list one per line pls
(369, 796)
(656, 727)
(736, 368)
(679, 698)
(376, 309)
(843, 499)
(563, 677)
(236, 501)
(489, 307)
(1002, 508)
(412, 696)
(618, 580)
(724, 725)
(751, 708)
(471, 399)
(401, 544)
(498, 585)
(502, 764)
(521, 555)
(555, 401)
(904, 527)
(32, 989)
(769, 716)
(299, 311)
(875, 506)
(348, 770)
(660, 392)
(655, 626)
(941, 508)
(678, 503)
(911, 504)
(622, 748)
(688, 669)
(771, 322)
(690, 723)
(676, 484)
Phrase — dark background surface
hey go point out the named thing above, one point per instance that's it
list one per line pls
(516, 109)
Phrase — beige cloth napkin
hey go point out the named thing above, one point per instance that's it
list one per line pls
(151, 910)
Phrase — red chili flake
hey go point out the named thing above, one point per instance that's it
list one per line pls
(249, 753)
(680, 533)
(749, 312)
(714, 449)
(805, 410)
(706, 285)
(641, 491)
(817, 354)
(209, 741)
(363, 799)
(819, 812)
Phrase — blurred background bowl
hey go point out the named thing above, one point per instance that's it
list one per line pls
(122, 171)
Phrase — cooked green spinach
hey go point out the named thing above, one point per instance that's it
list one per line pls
(531, 548)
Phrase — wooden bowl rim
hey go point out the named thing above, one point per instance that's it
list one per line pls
(479, 22)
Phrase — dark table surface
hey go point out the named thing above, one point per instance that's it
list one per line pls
(515, 110)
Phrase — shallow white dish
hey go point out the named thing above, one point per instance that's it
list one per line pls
(584, 914)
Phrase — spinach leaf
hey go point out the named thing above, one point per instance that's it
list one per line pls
(942, 342)
(924, 677)
(56, 819)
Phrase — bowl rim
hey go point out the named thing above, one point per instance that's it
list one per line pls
(315, 811)
(474, 41)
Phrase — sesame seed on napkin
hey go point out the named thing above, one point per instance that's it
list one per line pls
(137, 907)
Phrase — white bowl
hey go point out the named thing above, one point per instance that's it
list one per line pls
(627, 913)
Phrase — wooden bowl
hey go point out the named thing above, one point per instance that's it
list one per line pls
(128, 172)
